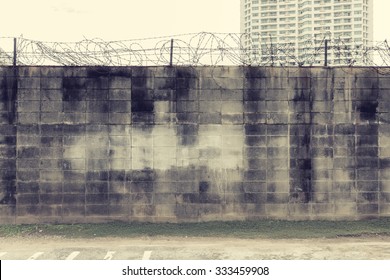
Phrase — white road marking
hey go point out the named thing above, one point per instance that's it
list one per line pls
(147, 255)
(109, 255)
(72, 255)
(35, 256)
(2, 254)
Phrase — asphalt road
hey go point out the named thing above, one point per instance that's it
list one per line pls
(44, 248)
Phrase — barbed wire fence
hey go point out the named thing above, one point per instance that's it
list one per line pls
(194, 50)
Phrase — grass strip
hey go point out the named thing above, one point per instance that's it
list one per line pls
(273, 229)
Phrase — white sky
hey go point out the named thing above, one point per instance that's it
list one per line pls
(72, 20)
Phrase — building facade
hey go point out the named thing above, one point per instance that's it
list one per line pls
(307, 32)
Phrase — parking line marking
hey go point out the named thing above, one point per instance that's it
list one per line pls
(72, 255)
(2, 254)
(35, 256)
(109, 255)
(146, 255)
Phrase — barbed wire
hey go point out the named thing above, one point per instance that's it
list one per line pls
(198, 49)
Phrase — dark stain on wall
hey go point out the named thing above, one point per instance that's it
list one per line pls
(367, 100)
(300, 155)
(203, 187)
(73, 89)
(367, 164)
(141, 101)
(186, 115)
(368, 110)
(8, 95)
(9, 91)
(98, 72)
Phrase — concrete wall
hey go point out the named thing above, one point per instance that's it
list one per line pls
(96, 144)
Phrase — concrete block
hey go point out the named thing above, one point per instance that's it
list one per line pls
(143, 213)
(280, 185)
(161, 83)
(76, 175)
(344, 141)
(256, 141)
(185, 84)
(7, 152)
(27, 199)
(210, 153)
(97, 164)
(29, 94)
(207, 95)
(28, 152)
(142, 118)
(277, 118)
(28, 118)
(254, 107)
(76, 187)
(72, 118)
(29, 83)
(51, 82)
(210, 106)
(114, 107)
(344, 175)
(118, 199)
(255, 152)
(120, 94)
(119, 118)
(8, 140)
(97, 175)
(51, 176)
(299, 106)
(50, 199)
(368, 209)
(29, 71)
(52, 118)
(20, 163)
(232, 95)
(97, 210)
(278, 94)
(384, 209)
(91, 93)
(255, 175)
(210, 118)
(276, 210)
(368, 197)
(255, 118)
(258, 94)
(277, 164)
(277, 153)
(367, 141)
(236, 119)
(28, 187)
(120, 82)
(277, 141)
(367, 186)
(28, 106)
(141, 199)
(230, 107)
(255, 130)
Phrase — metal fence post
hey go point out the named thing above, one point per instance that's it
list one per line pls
(326, 53)
(171, 54)
(15, 53)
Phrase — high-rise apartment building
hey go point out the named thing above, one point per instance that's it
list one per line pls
(293, 32)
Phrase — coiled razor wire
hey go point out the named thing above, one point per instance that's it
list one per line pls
(194, 50)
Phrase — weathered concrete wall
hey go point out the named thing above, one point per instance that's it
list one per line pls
(93, 144)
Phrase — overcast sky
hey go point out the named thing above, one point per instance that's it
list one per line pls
(72, 20)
